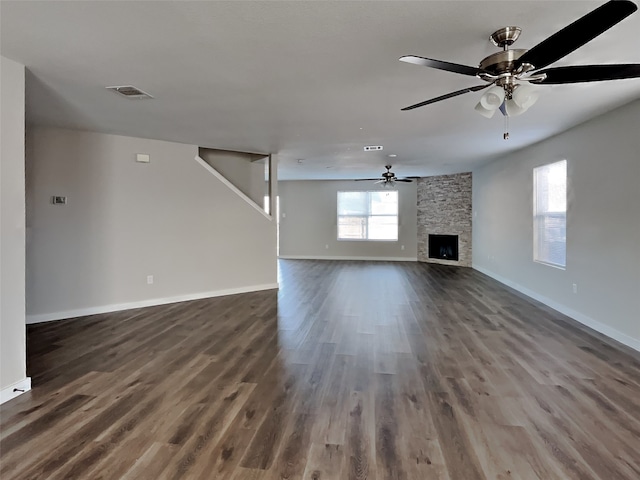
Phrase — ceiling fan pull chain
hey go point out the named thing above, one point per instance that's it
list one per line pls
(505, 135)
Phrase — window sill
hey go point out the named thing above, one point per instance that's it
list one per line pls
(364, 240)
(554, 265)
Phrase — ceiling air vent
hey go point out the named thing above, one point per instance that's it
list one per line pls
(372, 148)
(130, 91)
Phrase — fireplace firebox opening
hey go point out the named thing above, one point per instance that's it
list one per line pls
(443, 247)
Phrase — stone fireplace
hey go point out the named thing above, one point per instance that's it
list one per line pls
(444, 219)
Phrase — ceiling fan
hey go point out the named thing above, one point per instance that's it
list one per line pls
(388, 178)
(511, 73)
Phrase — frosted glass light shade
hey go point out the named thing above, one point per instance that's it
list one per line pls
(484, 111)
(513, 109)
(525, 96)
(493, 98)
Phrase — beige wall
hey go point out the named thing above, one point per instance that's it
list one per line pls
(603, 223)
(12, 227)
(245, 170)
(124, 221)
(308, 222)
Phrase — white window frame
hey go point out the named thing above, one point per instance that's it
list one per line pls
(540, 216)
(368, 192)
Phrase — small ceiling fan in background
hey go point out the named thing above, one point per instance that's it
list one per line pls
(388, 179)
(511, 74)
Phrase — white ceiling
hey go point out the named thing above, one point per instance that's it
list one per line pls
(311, 80)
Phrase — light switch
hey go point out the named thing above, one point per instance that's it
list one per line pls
(59, 200)
(143, 158)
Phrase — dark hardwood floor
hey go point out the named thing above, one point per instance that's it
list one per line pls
(353, 370)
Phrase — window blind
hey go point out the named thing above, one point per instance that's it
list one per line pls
(550, 214)
(368, 215)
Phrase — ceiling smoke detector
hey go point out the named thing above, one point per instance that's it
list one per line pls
(130, 91)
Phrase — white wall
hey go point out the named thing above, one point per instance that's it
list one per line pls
(12, 229)
(603, 223)
(308, 222)
(244, 170)
(124, 221)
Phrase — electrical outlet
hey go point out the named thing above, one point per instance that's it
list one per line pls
(149, 279)
(575, 288)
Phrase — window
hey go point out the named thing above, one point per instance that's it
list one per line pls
(368, 215)
(550, 214)
(267, 205)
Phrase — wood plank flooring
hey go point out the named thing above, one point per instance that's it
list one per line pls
(353, 370)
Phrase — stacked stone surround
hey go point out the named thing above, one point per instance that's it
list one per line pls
(444, 208)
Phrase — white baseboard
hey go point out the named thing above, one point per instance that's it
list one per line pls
(317, 257)
(12, 391)
(81, 312)
(606, 330)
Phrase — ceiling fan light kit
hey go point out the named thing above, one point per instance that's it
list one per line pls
(511, 73)
(493, 98)
(513, 109)
(485, 112)
(525, 95)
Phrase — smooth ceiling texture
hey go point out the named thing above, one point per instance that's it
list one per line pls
(307, 80)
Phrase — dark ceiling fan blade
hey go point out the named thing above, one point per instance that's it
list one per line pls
(407, 180)
(578, 33)
(448, 95)
(366, 179)
(590, 73)
(439, 64)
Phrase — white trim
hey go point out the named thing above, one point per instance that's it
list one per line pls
(606, 330)
(318, 257)
(10, 392)
(232, 187)
(49, 317)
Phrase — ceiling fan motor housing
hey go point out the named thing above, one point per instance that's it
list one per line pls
(501, 62)
(388, 175)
